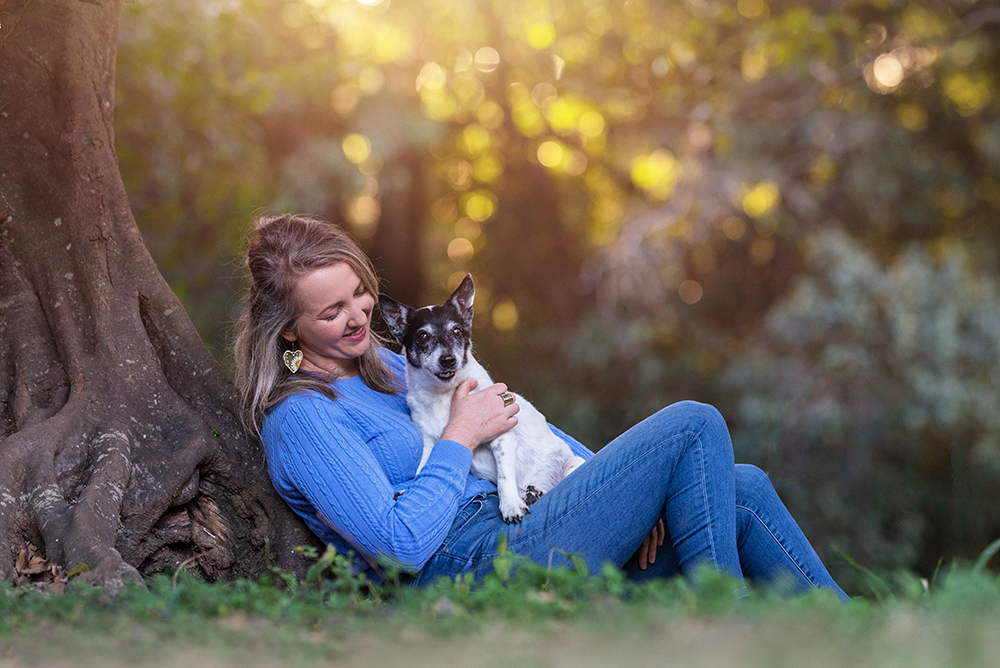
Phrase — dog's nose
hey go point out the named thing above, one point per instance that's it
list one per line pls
(447, 361)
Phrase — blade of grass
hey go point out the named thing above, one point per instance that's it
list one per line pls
(985, 556)
(878, 585)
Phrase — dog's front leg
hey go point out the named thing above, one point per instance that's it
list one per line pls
(428, 446)
(511, 505)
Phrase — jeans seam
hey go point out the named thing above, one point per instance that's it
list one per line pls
(611, 480)
(708, 506)
(788, 554)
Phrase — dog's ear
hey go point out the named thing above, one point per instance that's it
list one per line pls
(463, 297)
(397, 316)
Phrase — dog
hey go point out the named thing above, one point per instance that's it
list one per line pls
(525, 462)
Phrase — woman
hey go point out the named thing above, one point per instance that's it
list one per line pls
(327, 400)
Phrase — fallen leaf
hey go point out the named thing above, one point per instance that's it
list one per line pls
(41, 573)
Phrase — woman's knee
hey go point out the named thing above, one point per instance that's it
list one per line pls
(702, 423)
(694, 414)
(752, 485)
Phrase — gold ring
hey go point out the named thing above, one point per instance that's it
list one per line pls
(508, 398)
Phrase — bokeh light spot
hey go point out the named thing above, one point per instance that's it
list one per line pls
(970, 92)
(479, 205)
(344, 99)
(356, 147)
(751, 9)
(683, 54)
(489, 114)
(468, 229)
(432, 76)
(690, 291)
(390, 43)
(476, 139)
(444, 209)
(487, 168)
(591, 124)
(550, 153)
(888, 71)
(487, 59)
(460, 174)
(599, 20)
(660, 66)
(460, 250)
(504, 315)
(823, 169)
(761, 199)
(913, 117)
(753, 65)
(364, 212)
(656, 173)
(370, 80)
(734, 228)
(541, 35)
(544, 94)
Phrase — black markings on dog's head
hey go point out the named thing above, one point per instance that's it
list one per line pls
(435, 338)
(462, 298)
(396, 315)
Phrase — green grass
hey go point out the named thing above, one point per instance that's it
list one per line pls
(523, 615)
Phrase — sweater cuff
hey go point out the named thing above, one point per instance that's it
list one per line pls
(453, 452)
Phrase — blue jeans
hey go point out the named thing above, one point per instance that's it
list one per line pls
(676, 465)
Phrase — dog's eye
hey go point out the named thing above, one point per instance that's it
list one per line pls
(456, 330)
(421, 337)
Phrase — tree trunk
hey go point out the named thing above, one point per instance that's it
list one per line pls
(119, 444)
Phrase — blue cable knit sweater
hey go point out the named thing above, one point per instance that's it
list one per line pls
(348, 468)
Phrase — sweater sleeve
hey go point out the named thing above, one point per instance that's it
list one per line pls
(327, 460)
(578, 448)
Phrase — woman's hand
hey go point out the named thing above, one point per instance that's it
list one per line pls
(477, 417)
(647, 551)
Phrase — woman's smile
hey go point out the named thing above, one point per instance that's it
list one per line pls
(359, 334)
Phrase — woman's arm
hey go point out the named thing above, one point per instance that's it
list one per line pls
(578, 448)
(329, 463)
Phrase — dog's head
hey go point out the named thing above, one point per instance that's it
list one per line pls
(436, 339)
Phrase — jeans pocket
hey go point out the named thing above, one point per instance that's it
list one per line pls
(462, 522)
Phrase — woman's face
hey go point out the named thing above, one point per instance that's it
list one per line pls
(333, 329)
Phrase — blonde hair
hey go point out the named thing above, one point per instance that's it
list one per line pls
(284, 248)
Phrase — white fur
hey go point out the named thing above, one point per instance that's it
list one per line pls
(527, 455)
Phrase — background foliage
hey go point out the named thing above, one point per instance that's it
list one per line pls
(789, 210)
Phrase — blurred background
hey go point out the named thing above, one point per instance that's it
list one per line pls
(789, 210)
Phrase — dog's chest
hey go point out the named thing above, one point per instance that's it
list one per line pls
(430, 403)
(429, 412)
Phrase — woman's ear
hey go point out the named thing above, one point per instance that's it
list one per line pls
(290, 336)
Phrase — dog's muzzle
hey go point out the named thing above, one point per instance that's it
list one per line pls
(447, 364)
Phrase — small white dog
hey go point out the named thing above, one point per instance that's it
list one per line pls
(525, 462)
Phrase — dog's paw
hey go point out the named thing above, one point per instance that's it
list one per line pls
(513, 512)
(532, 494)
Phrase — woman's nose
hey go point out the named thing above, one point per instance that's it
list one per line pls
(359, 312)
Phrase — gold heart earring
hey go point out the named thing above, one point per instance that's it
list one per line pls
(292, 359)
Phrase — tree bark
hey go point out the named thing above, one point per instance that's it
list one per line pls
(119, 444)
